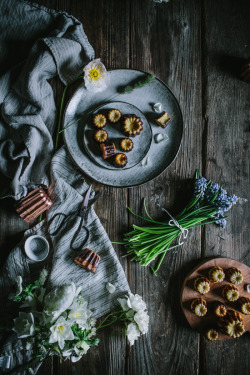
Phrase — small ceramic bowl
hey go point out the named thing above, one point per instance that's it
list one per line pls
(36, 248)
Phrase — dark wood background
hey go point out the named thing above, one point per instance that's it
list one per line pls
(197, 48)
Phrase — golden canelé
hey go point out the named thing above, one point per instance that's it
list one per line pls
(202, 285)
(216, 274)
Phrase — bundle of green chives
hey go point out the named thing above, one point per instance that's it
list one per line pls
(209, 203)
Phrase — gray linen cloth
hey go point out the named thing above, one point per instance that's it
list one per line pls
(69, 188)
(38, 44)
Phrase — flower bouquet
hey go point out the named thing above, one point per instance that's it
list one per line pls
(208, 205)
(60, 323)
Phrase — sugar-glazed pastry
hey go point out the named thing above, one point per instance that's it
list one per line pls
(126, 144)
(244, 305)
(232, 324)
(114, 115)
(234, 275)
(101, 136)
(132, 126)
(199, 306)
(212, 334)
(219, 309)
(216, 274)
(88, 260)
(230, 292)
(99, 121)
(120, 160)
(163, 120)
(202, 285)
(107, 150)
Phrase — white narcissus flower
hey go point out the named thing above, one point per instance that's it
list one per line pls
(132, 333)
(24, 325)
(60, 299)
(60, 332)
(79, 313)
(96, 77)
(136, 302)
(142, 320)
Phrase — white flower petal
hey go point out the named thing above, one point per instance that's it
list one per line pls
(110, 288)
(59, 300)
(142, 320)
(124, 303)
(97, 84)
(136, 302)
(132, 333)
(75, 359)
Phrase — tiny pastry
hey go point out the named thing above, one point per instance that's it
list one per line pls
(163, 120)
(216, 274)
(219, 309)
(212, 334)
(132, 126)
(230, 292)
(101, 136)
(234, 275)
(107, 150)
(202, 285)
(88, 260)
(114, 115)
(232, 324)
(120, 160)
(244, 305)
(199, 306)
(99, 121)
(126, 144)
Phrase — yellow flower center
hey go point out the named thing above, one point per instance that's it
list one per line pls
(60, 328)
(77, 314)
(94, 74)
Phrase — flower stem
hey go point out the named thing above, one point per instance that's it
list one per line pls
(61, 110)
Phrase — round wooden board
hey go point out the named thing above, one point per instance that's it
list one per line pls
(188, 294)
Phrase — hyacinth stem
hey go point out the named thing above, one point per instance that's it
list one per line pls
(61, 111)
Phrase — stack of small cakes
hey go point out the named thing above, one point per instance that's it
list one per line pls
(131, 127)
(227, 321)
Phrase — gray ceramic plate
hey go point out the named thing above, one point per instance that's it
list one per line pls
(141, 142)
(160, 155)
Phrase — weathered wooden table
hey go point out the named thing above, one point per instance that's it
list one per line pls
(196, 47)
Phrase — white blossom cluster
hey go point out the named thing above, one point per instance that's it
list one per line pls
(137, 316)
(61, 318)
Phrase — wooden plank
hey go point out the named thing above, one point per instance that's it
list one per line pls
(165, 40)
(226, 113)
(105, 31)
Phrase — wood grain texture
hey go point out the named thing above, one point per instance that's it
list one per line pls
(196, 48)
(226, 35)
(158, 34)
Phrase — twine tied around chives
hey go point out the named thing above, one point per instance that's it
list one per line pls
(174, 223)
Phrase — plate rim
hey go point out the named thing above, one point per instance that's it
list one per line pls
(148, 180)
